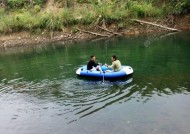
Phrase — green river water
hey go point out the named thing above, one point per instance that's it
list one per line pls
(41, 94)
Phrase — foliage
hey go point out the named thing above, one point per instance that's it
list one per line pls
(83, 1)
(36, 8)
(144, 10)
(23, 17)
(177, 6)
(84, 16)
(16, 4)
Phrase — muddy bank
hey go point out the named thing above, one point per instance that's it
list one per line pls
(26, 38)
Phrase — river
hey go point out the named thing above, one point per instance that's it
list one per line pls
(40, 92)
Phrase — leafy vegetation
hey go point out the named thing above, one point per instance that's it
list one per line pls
(15, 4)
(32, 15)
(177, 6)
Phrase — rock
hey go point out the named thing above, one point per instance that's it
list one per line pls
(127, 31)
(136, 32)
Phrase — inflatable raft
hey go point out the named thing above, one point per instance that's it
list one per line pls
(105, 74)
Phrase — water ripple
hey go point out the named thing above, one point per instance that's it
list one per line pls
(73, 98)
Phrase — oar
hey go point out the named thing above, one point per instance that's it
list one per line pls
(103, 77)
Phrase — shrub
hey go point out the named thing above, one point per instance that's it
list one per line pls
(39, 2)
(16, 3)
(144, 10)
(104, 10)
(120, 13)
(177, 7)
(23, 20)
(67, 17)
(36, 8)
(84, 16)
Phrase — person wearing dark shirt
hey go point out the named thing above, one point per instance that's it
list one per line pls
(92, 65)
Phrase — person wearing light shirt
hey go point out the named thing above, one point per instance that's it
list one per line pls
(116, 64)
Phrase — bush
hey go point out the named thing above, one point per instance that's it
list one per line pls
(144, 10)
(53, 21)
(84, 16)
(67, 17)
(177, 7)
(120, 13)
(16, 3)
(39, 2)
(36, 8)
(18, 22)
(104, 10)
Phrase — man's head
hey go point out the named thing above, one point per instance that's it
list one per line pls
(92, 57)
(113, 58)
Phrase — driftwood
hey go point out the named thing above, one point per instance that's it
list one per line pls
(150, 23)
(115, 33)
(97, 34)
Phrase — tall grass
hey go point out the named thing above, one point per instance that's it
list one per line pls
(121, 10)
(112, 11)
(84, 16)
(29, 21)
(144, 10)
(2, 15)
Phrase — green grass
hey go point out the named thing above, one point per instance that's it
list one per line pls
(31, 19)
(144, 10)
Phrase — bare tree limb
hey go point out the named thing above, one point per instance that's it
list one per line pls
(150, 23)
(105, 29)
(97, 34)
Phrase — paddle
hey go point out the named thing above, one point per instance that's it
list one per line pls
(103, 77)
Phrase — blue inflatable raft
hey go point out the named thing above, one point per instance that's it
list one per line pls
(105, 74)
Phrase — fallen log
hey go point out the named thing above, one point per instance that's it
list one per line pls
(97, 34)
(154, 24)
(115, 33)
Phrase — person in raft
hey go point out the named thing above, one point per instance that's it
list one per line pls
(92, 65)
(116, 64)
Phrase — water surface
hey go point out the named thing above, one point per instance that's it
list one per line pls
(40, 93)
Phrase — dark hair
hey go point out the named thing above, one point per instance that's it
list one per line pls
(91, 56)
(114, 56)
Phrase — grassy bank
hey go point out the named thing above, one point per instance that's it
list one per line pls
(18, 15)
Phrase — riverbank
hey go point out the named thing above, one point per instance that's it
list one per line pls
(26, 38)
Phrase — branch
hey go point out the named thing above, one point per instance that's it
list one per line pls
(97, 34)
(115, 33)
(150, 23)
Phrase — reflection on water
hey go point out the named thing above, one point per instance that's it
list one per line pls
(77, 97)
(40, 92)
